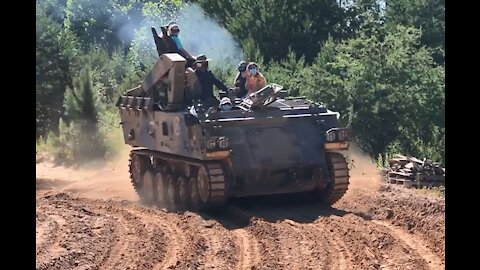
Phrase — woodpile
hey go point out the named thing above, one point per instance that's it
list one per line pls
(411, 171)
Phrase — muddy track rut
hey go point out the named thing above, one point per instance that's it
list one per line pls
(119, 234)
(367, 229)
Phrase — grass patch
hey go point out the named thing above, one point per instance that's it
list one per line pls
(436, 191)
(72, 146)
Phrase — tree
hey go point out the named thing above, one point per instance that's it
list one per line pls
(82, 106)
(107, 71)
(81, 102)
(357, 13)
(52, 74)
(221, 10)
(54, 9)
(290, 73)
(95, 21)
(327, 81)
(427, 15)
(389, 85)
(275, 26)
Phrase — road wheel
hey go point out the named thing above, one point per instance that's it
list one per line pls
(172, 191)
(195, 201)
(148, 187)
(161, 189)
(183, 192)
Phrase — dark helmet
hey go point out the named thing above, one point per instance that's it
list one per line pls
(173, 28)
(202, 58)
(242, 66)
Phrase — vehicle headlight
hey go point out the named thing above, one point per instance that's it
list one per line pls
(223, 142)
(331, 135)
(212, 144)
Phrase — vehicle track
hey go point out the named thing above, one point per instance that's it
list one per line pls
(140, 243)
(415, 243)
(48, 230)
(297, 237)
(248, 249)
(75, 235)
(77, 230)
(372, 245)
(303, 247)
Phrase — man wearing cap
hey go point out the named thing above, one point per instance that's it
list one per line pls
(255, 79)
(241, 80)
(207, 80)
(173, 31)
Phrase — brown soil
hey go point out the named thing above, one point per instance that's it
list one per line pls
(91, 219)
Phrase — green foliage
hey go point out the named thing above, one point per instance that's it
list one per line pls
(52, 77)
(435, 191)
(65, 146)
(427, 15)
(54, 9)
(110, 132)
(107, 71)
(389, 85)
(94, 21)
(221, 10)
(382, 69)
(290, 73)
(79, 136)
(327, 82)
(72, 145)
(277, 25)
(82, 102)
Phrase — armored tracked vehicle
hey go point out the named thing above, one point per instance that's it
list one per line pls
(188, 156)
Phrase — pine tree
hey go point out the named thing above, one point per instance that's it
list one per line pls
(82, 105)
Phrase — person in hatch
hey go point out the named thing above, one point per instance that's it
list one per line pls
(255, 79)
(207, 80)
(173, 31)
(241, 80)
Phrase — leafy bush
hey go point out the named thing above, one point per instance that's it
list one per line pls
(110, 132)
(381, 69)
(78, 138)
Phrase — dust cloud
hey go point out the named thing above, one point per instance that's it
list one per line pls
(363, 170)
(203, 35)
(106, 180)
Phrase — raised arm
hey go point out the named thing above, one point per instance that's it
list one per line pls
(218, 83)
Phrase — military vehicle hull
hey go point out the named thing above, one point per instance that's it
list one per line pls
(282, 149)
(189, 156)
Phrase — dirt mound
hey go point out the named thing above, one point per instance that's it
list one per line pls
(90, 218)
(85, 233)
(415, 213)
(69, 234)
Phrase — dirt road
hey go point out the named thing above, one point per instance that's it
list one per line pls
(91, 219)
